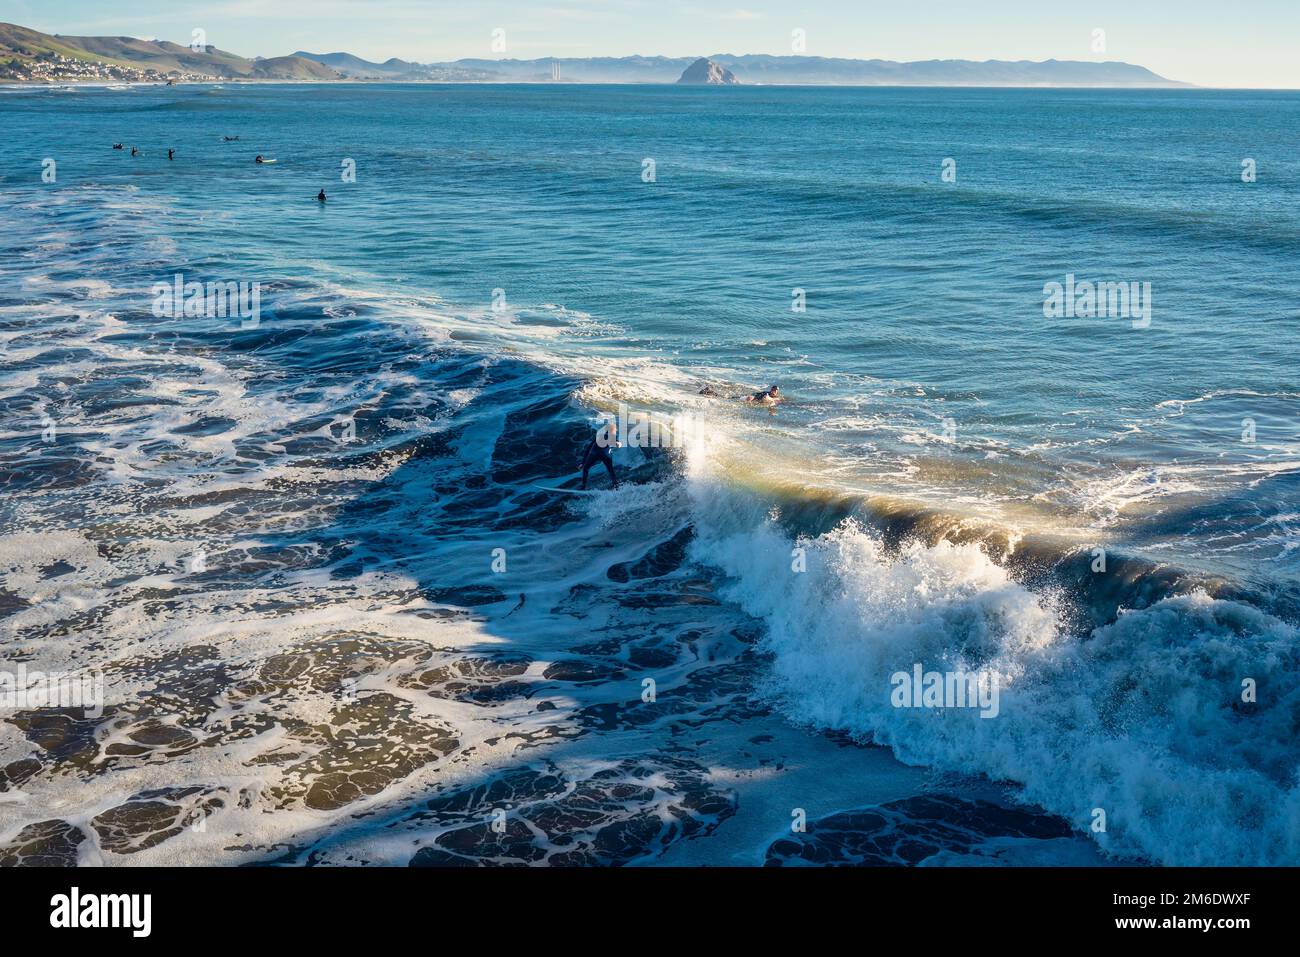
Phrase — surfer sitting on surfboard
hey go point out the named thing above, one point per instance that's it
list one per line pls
(597, 450)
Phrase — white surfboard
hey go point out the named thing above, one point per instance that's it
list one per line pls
(567, 491)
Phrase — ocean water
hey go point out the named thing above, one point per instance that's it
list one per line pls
(340, 617)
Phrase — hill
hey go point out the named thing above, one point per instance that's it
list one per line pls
(347, 65)
(26, 50)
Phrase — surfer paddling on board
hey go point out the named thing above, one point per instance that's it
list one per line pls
(769, 396)
(597, 450)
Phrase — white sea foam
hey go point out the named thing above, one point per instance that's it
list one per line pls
(1143, 718)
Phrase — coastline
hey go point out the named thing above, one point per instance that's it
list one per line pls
(348, 81)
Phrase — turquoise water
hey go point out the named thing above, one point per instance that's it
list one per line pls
(439, 338)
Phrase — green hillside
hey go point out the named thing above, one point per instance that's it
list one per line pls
(23, 45)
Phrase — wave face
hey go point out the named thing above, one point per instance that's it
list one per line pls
(1142, 717)
(341, 616)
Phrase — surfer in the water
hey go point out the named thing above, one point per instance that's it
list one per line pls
(320, 197)
(259, 159)
(597, 450)
(768, 397)
(171, 154)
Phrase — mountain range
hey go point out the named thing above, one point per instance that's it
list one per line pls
(21, 47)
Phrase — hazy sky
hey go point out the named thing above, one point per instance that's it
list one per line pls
(1210, 42)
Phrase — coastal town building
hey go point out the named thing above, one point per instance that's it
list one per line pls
(48, 67)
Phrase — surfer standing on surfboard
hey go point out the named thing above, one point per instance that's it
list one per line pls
(597, 450)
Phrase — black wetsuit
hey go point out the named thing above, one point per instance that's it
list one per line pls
(595, 452)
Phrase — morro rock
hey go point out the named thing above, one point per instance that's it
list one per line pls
(706, 71)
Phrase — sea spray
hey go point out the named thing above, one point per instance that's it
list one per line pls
(1141, 718)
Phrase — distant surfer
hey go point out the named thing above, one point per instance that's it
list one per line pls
(230, 139)
(118, 146)
(135, 151)
(597, 450)
(770, 396)
(171, 154)
(320, 197)
(260, 159)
